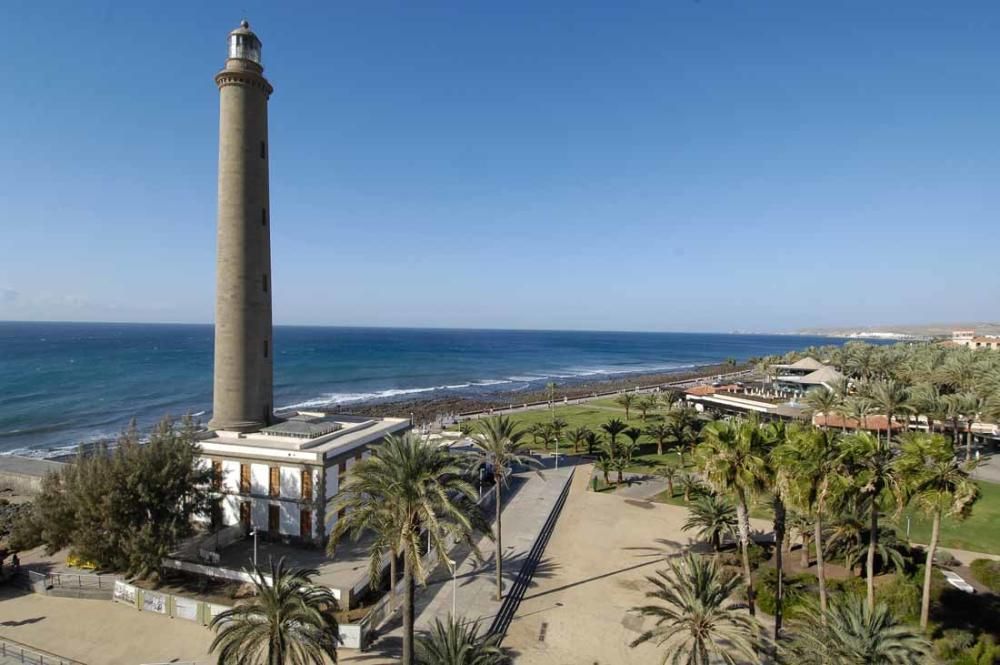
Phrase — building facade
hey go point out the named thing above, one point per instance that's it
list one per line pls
(279, 481)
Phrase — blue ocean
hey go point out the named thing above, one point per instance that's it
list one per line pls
(62, 384)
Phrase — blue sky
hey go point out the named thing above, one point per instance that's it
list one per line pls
(710, 165)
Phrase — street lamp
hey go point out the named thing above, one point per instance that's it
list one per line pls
(454, 588)
(254, 534)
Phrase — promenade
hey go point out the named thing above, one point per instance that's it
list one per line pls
(527, 508)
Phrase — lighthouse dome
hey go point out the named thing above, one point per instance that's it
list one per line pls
(244, 44)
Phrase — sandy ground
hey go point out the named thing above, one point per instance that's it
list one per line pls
(99, 632)
(593, 572)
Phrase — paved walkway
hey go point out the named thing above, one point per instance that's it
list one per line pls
(473, 591)
(601, 550)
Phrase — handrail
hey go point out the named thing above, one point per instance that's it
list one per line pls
(13, 649)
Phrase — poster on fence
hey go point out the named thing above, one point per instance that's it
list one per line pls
(185, 608)
(154, 602)
(216, 609)
(124, 593)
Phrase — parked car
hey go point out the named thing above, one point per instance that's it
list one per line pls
(956, 581)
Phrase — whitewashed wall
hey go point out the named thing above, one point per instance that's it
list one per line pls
(291, 482)
(260, 478)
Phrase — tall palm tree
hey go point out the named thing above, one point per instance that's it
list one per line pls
(973, 406)
(457, 642)
(777, 434)
(732, 458)
(627, 401)
(684, 424)
(614, 427)
(871, 460)
(694, 620)
(633, 433)
(891, 398)
(558, 425)
(550, 392)
(659, 432)
(605, 466)
(423, 486)
(940, 486)
(498, 443)
(713, 517)
(852, 633)
(808, 469)
(288, 620)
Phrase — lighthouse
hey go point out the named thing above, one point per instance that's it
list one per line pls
(243, 378)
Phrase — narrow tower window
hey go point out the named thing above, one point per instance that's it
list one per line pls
(265, 348)
(263, 150)
(263, 216)
(265, 282)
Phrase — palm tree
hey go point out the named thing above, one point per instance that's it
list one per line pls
(852, 633)
(860, 408)
(646, 403)
(732, 457)
(605, 466)
(802, 523)
(776, 436)
(692, 486)
(457, 642)
(619, 464)
(539, 434)
(578, 436)
(627, 401)
(557, 425)
(808, 470)
(614, 427)
(633, 433)
(821, 400)
(892, 398)
(714, 517)
(659, 432)
(940, 486)
(418, 490)
(289, 620)
(872, 462)
(628, 448)
(683, 421)
(973, 406)
(498, 442)
(593, 441)
(694, 620)
(669, 473)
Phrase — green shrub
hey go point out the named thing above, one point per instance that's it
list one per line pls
(984, 652)
(902, 595)
(987, 573)
(797, 589)
(849, 585)
(756, 553)
(953, 643)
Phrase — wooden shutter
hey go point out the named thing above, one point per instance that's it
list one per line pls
(273, 518)
(244, 478)
(275, 484)
(307, 485)
(216, 475)
(305, 524)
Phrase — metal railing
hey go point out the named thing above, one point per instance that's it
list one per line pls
(73, 580)
(11, 650)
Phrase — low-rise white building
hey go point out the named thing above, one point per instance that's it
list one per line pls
(280, 479)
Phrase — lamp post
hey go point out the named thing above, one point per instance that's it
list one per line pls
(454, 588)
(254, 534)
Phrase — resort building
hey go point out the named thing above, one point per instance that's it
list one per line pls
(968, 338)
(278, 480)
(806, 374)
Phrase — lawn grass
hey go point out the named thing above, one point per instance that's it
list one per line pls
(979, 533)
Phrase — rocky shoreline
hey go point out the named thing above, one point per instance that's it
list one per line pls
(429, 410)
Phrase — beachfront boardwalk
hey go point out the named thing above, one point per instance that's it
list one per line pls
(527, 507)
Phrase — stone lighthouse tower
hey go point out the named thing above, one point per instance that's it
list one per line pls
(243, 384)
